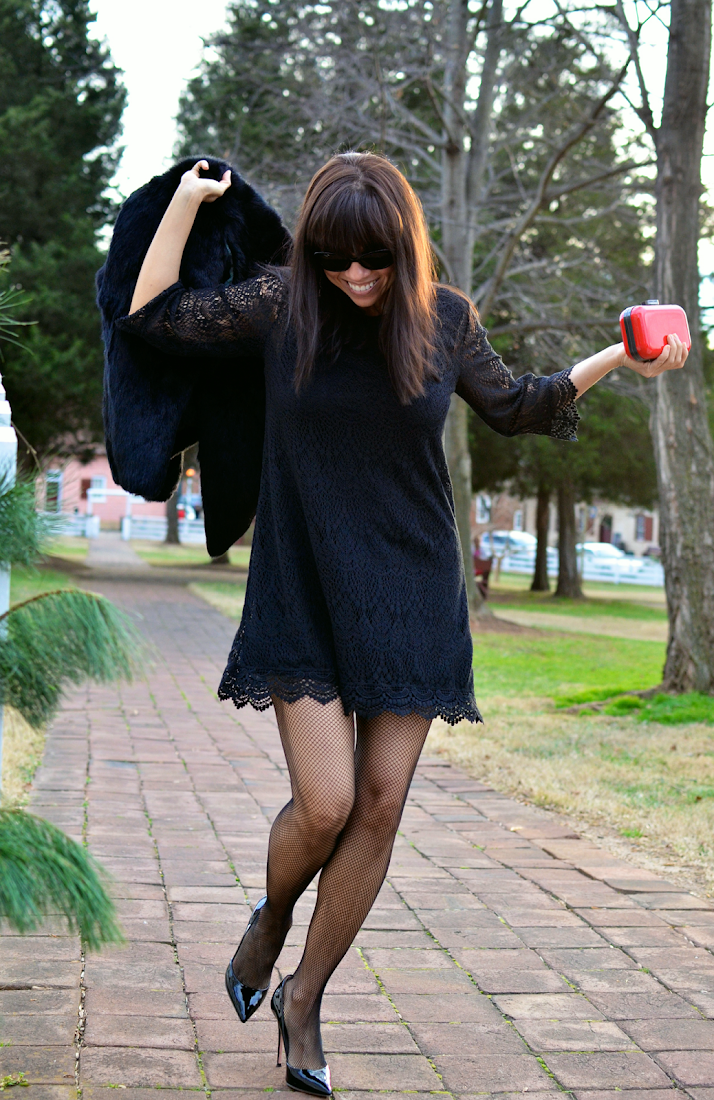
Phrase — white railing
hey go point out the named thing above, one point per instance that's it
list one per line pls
(643, 571)
(153, 528)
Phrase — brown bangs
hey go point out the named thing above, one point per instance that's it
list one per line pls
(356, 202)
(352, 221)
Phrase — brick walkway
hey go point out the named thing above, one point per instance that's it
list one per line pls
(504, 954)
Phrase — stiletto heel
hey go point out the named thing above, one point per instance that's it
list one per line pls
(244, 998)
(315, 1082)
(280, 1045)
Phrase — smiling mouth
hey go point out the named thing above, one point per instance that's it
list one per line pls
(362, 288)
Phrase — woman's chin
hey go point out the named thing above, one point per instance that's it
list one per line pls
(365, 301)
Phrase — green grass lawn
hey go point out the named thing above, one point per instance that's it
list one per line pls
(226, 596)
(26, 582)
(161, 554)
(555, 665)
(513, 584)
(595, 606)
(70, 548)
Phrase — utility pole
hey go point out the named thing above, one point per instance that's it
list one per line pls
(8, 471)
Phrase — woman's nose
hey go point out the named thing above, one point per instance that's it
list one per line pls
(358, 274)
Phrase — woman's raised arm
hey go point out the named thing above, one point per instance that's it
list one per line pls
(162, 262)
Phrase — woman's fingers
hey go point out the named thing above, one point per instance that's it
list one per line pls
(673, 357)
(215, 188)
(205, 188)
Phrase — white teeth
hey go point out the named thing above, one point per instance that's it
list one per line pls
(358, 289)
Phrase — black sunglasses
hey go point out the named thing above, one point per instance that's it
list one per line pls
(373, 261)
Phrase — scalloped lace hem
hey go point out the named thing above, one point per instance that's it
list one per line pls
(256, 689)
(565, 422)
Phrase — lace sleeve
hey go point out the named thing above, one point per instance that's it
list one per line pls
(222, 321)
(512, 406)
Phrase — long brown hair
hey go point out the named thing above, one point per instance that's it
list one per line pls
(355, 202)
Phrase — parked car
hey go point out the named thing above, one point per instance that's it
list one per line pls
(498, 543)
(606, 555)
(600, 550)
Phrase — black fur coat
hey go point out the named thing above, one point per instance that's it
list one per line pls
(157, 405)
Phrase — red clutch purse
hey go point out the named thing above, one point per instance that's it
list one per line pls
(645, 329)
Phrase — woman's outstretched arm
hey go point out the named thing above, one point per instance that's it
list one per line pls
(586, 374)
(539, 405)
(162, 262)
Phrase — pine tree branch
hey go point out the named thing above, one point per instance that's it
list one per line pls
(43, 871)
(40, 596)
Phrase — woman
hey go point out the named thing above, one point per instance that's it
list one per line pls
(356, 624)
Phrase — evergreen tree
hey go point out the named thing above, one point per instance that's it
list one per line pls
(60, 110)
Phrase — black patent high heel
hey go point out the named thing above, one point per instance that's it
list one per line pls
(244, 998)
(315, 1082)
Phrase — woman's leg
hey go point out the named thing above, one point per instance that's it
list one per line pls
(388, 749)
(318, 741)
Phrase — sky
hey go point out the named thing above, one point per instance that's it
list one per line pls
(159, 43)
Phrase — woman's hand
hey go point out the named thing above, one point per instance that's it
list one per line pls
(673, 357)
(586, 374)
(162, 263)
(200, 188)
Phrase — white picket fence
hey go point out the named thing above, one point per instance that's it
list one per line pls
(152, 528)
(643, 571)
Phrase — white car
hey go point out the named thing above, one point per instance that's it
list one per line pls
(604, 555)
(498, 543)
(600, 550)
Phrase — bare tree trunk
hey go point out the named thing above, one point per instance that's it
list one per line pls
(188, 458)
(458, 457)
(540, 573)
(680, 431)
(568, 579)
(172, 529)
(461, 177)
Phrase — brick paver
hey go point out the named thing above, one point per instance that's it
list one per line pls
(504, 954)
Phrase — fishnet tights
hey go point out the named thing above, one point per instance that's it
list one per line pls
(344, 812)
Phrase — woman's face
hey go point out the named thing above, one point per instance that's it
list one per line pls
(365, 288)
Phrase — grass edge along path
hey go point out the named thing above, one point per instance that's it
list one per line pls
(642, 783)
(22, 745)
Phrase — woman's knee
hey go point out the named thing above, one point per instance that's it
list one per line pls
(324, 814)
(380, 808)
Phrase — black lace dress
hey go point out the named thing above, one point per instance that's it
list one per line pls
(356, 585)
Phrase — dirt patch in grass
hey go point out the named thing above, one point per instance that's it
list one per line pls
(607, 625)
(643, 791)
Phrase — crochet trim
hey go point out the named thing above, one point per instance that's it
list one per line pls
(566, 419)
(256, 689)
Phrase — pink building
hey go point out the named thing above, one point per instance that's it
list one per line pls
(65, 490)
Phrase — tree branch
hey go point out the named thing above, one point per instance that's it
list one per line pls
(645, 111)
(528, 217)
(543, 326)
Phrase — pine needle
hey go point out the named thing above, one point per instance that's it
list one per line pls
(43, 871)
(57, 639)
(23, 531)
